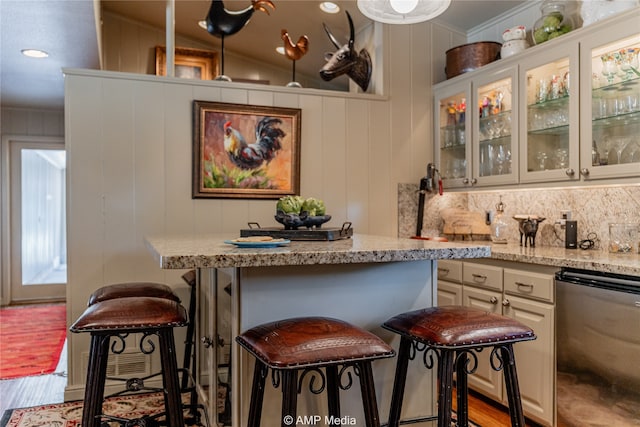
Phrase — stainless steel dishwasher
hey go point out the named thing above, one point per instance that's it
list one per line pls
(598, 349)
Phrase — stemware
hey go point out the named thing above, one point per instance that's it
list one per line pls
(609, 67)
(632, 149)
(619, 144)
(561, 158)
(542, 160)
(628, 58)
(603, 150)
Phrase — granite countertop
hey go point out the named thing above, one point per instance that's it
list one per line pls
(596, 260)
(193, 251)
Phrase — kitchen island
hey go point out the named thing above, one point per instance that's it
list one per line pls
(364, 280)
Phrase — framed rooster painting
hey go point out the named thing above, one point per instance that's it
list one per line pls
(245, 151)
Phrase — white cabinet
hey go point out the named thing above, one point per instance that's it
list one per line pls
(610, 100)
(476, 131)
(571, 112)
(449, 283)
(549, 123)
(522, 292)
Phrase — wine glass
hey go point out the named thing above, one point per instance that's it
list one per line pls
(542, 159)
(619, 144)
(632, 149)
(609, 67)
(628, 58)
(561, 158)
(603, 150)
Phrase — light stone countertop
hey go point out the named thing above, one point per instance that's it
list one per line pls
(203, 251)
(596, 260)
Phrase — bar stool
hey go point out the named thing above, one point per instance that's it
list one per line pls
(301, 345)
(160, 290)
(453, 334)
(122, 316)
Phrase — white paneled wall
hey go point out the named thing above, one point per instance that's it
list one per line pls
(129, 144)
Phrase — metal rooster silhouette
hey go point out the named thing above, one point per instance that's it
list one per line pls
(222, 22)
(294, 52)
(346, 60)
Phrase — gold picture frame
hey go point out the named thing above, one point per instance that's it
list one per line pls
(245, 151)
(189, 63)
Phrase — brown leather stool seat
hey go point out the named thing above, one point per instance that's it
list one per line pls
(117, 318)
(306, 344)
(132, 289)
(454, 333)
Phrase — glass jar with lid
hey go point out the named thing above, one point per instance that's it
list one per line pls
(556, 20)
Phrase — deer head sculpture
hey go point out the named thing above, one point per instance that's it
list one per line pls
(346, 60)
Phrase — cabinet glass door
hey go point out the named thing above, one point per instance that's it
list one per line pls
(550, 116)
(611, 142)
(495, 153)
(452, 135)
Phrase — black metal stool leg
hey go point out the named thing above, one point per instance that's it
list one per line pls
(367, 388)
(289, 396)
(260, 372)
(333, 392)
(445, 387)
(173, 401)
(511, 382)
(462, 388)
(96, 375)
(399, 382)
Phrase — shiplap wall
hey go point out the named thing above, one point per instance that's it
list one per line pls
(129, 141)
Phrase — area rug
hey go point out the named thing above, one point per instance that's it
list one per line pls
(31, 338)
(69, 414)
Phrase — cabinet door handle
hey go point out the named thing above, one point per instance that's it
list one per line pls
(474, 181)
(524, 285)
(443, 270)
(584, 172)
(570, 172)
(493, 300)
(206, 342)
(479, 277)
(506, 303)
(465, 181)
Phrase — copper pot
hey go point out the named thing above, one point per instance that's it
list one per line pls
(468, 57)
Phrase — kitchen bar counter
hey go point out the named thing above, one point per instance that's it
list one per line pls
(204, 251)
(595, 260)
(363, 280)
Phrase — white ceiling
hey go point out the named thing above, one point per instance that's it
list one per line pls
(66, 30)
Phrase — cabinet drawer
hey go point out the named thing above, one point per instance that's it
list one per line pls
(529, 284)
(450, 271)
(484, 276)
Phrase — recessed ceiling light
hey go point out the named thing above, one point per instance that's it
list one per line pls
(329, 7)
(34, 53)
(202, 24)
(280, 50)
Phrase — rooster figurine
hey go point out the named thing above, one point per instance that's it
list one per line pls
(294, 51)
(252, 156)
(222, 22)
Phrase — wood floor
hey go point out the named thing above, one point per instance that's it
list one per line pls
(36, 390)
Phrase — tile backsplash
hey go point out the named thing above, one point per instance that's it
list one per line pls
(593, 207)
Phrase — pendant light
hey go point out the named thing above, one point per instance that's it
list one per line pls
(402, 11)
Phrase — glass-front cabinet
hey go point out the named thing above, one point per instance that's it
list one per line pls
(610, 101)
(549, 119)
(452, 135)
(495, 146)
(476, 129)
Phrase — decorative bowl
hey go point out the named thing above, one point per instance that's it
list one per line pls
(294, 221)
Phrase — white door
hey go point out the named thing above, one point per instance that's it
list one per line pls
(37, 224)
